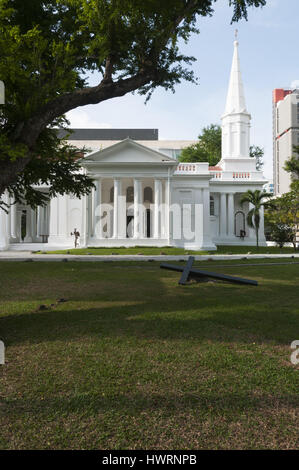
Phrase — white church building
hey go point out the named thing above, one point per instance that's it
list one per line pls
(144, 196)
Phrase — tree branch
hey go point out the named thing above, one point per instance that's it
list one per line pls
(82, 97)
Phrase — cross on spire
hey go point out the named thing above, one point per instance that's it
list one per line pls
(236, 34)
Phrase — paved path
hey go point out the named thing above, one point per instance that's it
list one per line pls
(27, 255)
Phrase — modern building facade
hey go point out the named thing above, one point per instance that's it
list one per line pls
(285, 135)
(144, 196)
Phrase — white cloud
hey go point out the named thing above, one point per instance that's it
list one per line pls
(80, 119)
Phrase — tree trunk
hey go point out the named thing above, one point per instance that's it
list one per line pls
(257, 236)
(9, 171)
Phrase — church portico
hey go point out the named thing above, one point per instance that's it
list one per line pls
(126, 209)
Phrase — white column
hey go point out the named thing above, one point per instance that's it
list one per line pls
(33, 224)
(137, 209)
(40, 221)
(97, 201)
(84, 227)
(122, 213)
(167, 209)
(93, 210)
(13, 219)
(231, 215)
(28, 236)
(158, 200)
(206, 215)
(63, 229)
(89, 215)
(223, 215)
(117, 193)
(47, 219)
(3, 237)
(54, 221)
(19, 226)
(4, 226)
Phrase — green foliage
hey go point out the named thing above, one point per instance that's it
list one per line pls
(47, 50)
(60, 169)
(292, 166)
(277, 231)
(282, 216)
(284, 211)
(257, 153)
(208, 148)
(256, 198)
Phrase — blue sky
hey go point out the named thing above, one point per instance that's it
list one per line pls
(269, 59)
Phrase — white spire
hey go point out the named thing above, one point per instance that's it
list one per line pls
(236, 123)
(235, 102)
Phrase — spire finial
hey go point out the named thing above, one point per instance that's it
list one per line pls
(236, 34)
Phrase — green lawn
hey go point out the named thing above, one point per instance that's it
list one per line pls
(132, 360)
(139, 250)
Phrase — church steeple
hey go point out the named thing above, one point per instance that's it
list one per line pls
(235, 102)
(235, 120)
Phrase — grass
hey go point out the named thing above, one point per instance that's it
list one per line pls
(140, 250)
(132, 360)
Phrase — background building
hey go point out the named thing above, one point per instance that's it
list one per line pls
(285, 135)
(100, 139)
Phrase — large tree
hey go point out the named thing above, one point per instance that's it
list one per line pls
(47, 49)
(208, 148)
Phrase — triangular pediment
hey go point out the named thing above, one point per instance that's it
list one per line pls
(128, 151)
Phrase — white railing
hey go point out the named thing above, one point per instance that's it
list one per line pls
(203, 168)
(230, 175)
(241, 175)
(216, 174)
(192, 168)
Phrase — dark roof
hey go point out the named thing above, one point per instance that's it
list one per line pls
(111, 134)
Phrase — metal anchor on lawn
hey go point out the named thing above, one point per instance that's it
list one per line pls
(191, 273)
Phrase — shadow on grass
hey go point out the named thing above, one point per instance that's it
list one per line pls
(156, 307)
(231, 322)
(135, 402)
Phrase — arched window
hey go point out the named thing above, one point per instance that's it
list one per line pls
(212, 206)
(112, 194)
(130, 194)
(148, 194)
(240, 224)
